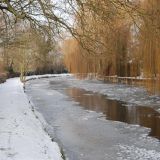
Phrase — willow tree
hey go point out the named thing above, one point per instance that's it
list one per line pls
(103, 30)
(149, 39)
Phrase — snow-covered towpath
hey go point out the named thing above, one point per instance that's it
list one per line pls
(22, 136)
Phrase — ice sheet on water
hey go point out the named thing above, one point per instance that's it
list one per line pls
(133, 142)
(135, 153)
(131, 95)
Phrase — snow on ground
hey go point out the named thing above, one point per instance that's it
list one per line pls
(46, 76)
(22, 136)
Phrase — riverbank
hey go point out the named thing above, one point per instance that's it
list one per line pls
(22, 136)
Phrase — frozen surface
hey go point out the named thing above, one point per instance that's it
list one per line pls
(137, 153)
(22, 135)
(130, 95)
(85, 134)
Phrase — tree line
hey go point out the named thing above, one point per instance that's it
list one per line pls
(28, 31)
(117, 38)
(107, 37)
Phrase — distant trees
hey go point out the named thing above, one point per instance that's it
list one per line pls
(47, 55)
(29, 51)
(29, 30)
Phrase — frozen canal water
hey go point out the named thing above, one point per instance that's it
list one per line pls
(96, 126)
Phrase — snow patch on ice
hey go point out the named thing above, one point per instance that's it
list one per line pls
(135, 153)
(131, 95)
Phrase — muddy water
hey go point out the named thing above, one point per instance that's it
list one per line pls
(117, 111)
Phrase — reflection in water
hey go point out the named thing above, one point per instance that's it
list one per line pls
(114, 110)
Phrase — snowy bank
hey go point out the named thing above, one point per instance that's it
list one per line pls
(46, 76)
(21, 134)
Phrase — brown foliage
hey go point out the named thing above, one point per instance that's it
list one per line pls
(149, 43)
(115, 39)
